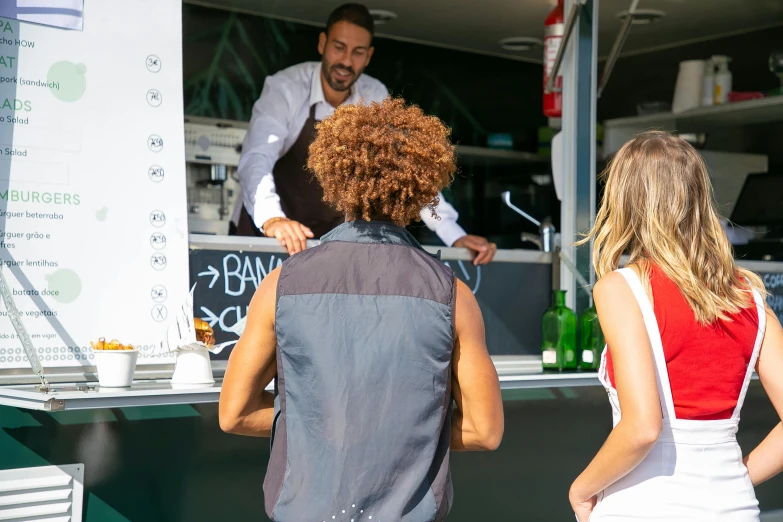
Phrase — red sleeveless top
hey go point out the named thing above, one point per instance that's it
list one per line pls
(706, 364)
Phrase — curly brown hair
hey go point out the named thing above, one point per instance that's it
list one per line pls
(386, 159)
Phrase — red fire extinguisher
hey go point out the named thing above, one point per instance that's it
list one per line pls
(554, 28)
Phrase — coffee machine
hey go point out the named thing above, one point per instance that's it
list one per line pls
(212, 150)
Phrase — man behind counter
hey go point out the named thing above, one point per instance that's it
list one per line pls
(280, 197)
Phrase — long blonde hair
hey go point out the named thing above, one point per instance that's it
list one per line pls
(658, 206)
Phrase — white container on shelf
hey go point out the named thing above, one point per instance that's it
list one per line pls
(115, 367)
(688, 90)
(708, 89)
(723, 80)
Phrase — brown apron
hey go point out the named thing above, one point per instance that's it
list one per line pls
(301, 196)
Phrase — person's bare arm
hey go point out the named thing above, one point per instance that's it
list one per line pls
(634, 369)
(245, 408)
(766, 460)
(478, 420)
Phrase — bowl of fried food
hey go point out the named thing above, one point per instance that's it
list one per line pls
(116, 363)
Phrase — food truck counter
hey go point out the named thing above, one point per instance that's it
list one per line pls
(515, 373)
(513, 293)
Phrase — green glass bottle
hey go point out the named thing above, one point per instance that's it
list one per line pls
(592, 340)
(558, 342)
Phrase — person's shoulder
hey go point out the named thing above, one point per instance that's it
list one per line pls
(266, 293)
(371, 89)
(367, 81)
(463, 291)
(432, 268)
(271, 279)
(611, 284)
(299, 75)
(303, 262)
(467, 314)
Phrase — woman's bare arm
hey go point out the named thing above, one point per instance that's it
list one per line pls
(766, 460)
(478, 421)
(634, 370)
(245, 408)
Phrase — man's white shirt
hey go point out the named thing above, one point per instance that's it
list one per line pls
(277, 120)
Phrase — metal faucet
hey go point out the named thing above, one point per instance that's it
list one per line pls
(527, 237)
(546, 239)
(546, 242)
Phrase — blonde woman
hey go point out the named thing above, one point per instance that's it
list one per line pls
(685, 327)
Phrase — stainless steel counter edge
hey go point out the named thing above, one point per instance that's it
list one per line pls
(263, 244)
(505, 365)
(86, 374)
(762, 266)
(163, 393)
(514, 373)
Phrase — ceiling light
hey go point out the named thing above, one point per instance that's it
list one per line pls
(520, 43)
(381, 16)
(643, 16)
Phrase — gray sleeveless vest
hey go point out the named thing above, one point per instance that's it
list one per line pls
(365, 333)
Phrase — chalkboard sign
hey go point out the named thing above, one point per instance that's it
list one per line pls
(512, 296)
(773, 282)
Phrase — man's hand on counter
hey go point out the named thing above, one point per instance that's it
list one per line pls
(291, 234)
(484, 250)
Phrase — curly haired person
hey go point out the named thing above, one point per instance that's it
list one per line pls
(279, 198)
(384, 160)
(368, 337)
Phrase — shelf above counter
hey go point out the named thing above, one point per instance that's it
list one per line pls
(488, 156)
(762, 110)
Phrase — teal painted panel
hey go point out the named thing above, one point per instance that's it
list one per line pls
(15, 418)
(185, 469)
(159, 412)
(533, 394)
(99, 511)
(14, 454)
(67, 418)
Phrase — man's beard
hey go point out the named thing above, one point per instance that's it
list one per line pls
(335, 84)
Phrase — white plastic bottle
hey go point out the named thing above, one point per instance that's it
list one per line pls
(708, 89)
(722, 80)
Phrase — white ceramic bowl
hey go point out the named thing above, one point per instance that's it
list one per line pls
(115, 367)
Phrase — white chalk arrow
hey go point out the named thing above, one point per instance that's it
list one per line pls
(214, 272)
(211, 318)
(239, 327)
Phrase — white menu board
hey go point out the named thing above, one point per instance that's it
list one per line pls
(93, 222)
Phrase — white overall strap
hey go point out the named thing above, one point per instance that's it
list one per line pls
(664, 388)
(603, 372)
(762, 313)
